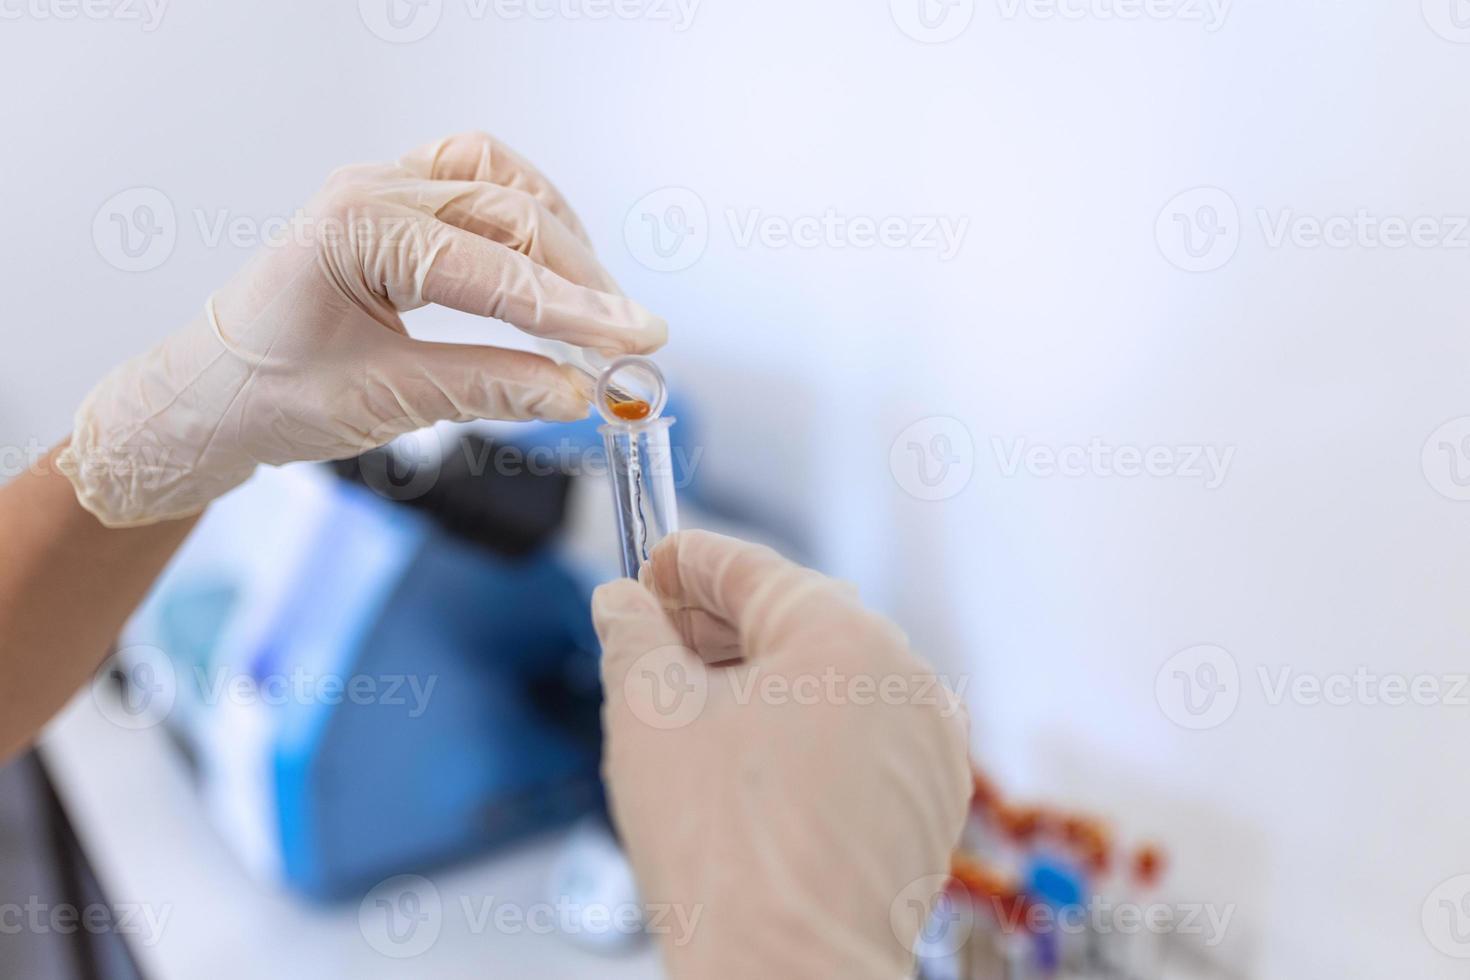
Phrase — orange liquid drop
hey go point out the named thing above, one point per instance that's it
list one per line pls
(1148, 865)
(630, 411)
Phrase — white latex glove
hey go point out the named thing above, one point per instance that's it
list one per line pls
(798, 826)
(302, 356)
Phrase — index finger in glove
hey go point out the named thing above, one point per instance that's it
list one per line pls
(633, 629)
(731, 598)
(479, 156)
(512, 218)
(466, 272)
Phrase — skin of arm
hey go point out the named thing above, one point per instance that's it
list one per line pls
(67, 585)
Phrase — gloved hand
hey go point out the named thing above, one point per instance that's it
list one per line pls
(302, 356)
(797, 798)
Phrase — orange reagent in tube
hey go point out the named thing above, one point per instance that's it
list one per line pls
(633, 410)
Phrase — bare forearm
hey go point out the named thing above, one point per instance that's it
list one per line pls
(67, 584)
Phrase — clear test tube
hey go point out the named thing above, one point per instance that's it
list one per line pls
(630, 396)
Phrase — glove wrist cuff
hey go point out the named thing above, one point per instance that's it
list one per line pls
(150, 442)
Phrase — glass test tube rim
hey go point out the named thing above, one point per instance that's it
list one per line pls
(634, 363)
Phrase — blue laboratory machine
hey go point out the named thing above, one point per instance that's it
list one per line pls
(376, 667)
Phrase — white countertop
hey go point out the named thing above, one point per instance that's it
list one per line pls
(143, 827)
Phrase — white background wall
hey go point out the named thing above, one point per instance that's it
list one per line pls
(1060, 140)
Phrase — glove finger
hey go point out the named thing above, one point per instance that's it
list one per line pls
(716, 640)
(514, 219)
(466, 272)
(632, 627)
(762, 597)
(479, 156)
(435, 382)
